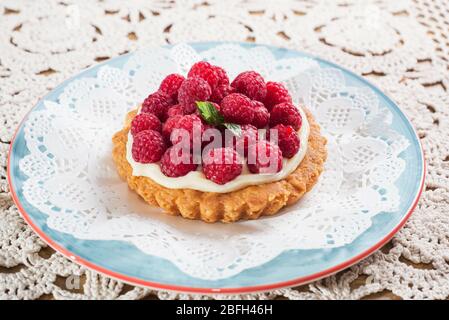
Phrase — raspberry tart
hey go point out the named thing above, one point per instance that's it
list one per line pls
(204, 147)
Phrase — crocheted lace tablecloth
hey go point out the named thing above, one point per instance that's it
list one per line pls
(403, 46)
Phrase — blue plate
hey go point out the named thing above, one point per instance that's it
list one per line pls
(125, 262)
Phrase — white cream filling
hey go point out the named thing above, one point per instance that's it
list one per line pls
(196, 180)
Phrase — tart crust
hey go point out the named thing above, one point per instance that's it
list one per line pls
(249, 202)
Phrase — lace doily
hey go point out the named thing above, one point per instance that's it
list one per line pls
(401, 45)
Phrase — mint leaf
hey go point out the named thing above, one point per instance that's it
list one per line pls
(209, 113)
(234, 128)
(212, 116)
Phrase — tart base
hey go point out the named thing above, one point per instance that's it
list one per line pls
(247, 203)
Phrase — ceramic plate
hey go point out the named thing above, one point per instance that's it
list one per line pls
(379, 151)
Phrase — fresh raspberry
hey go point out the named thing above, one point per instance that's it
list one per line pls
(205, 71)
(192, 90)
(148, 146)
(192, 126)
(222, 165)
(222, 75)
(176, 162)
(287, 139)
(261, 114)
(170, 85)
(249, 136)
(221, 91)
(145, 121)
(286, 113)
(251, 84)
(264, 157)
(276, 93)
(237, 108)
(176, 110)
(157, 103)
(216, 138)
(169, 125)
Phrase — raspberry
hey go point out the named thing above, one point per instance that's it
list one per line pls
(192, 125)
(237, 108)
(261, 115)
(249, 136)
(276, 93)
(287, 139)
(286, 113)
(192, 90)
(157, 103)
(169, 125)
(176, 162)
(251, 84)
(211, 139)
(222, 75)
(145, 121)
(205, 71)
(222, 165)
(170, 85)
(148, 146)
(264, 157)
(176, 110)
(221, 91)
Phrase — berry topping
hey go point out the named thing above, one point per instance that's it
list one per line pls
(176, 110)
(251, 84)
(205, 71)
(237, 108)
(157, 103)
(286, 113)
(248, 136)
(192, 90)
(170, 85)
(264, 157)
(176, 162)
(276, 93)
(148, 146)
(169, 125)
(221, 91)
(188, 129)
(287, 139)
(222, 75)
(145, 121)
(222, 165)
(261, 114)
(213, 137)
(173, 124)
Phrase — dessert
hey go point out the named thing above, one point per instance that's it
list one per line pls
(204, 147)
